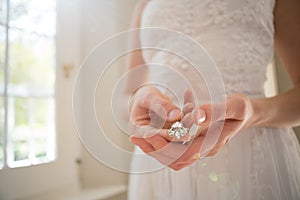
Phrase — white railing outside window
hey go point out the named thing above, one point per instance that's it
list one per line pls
(27, 82)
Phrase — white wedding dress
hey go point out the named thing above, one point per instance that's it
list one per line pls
(258, 163)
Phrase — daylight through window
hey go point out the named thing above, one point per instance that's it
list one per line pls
(27, 82)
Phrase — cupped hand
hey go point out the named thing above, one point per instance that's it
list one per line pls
(159, 145)
(222, 122)
(152, 114)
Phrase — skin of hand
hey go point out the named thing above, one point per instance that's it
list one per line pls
(223, 126)
(151, 115)
(241, 112)
(223, 121)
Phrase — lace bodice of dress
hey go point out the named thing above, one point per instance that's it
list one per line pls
(238, 35)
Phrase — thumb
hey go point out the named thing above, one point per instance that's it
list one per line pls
(237, 107)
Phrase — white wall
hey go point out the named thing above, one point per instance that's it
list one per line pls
(100, 20)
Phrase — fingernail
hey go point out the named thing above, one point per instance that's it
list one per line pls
(201, 116)
(174, 113)
(196, 156)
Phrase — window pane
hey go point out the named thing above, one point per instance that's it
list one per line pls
(21, 118)
(34, 16)
(31, 64)
(31, 81)
(19, 130)
(40, 148)
(32, 131)
(2, 57)
(21, 150)
(43, 129)
(3, 12)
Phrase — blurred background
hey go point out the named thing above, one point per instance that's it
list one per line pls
(42, 44)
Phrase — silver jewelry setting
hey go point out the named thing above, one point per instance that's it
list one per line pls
(177, 130)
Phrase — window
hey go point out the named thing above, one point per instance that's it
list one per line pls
(27, 82)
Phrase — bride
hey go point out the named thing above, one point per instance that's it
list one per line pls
(256, 155)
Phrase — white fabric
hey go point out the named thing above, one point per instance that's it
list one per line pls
(259, 163)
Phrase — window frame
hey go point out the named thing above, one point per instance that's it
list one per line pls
(9, 96)
(61, 175)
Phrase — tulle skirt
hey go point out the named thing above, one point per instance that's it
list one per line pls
(258, 163)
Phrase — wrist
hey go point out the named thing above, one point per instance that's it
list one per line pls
(254, 113)
(260, 114)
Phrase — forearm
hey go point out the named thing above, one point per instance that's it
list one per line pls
(280, 111)
(136, 75)
(135, 79)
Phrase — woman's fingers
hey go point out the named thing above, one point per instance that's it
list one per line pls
(192, 149)
(166, 135)
(206, 114)
(145, 146)
(189, 97)
(148, 131)
(187, 108)
(171, 149)
(165, 109)
(187, 120)
(236, 107)
(148, 149)
(149, 102)
(157, 141)
(177, 155)
(216, 136)
(203, 145)
(166, 155)
(154, 114)
(180, 165)
(144, 131)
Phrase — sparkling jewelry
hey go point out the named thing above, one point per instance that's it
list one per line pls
(177, 130)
